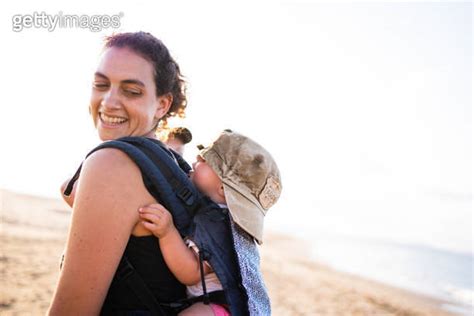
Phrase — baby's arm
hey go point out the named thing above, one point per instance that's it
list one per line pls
(181, 260)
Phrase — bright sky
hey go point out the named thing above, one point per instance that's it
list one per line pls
(367, 108)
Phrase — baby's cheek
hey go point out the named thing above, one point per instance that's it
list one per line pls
(201, 184)
(198, 182)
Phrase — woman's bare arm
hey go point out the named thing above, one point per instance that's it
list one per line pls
(109, 191)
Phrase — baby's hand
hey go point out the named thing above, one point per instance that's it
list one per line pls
(157, 219)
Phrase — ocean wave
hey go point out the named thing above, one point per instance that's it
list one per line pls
(460, 295)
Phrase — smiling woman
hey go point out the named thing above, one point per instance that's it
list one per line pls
(121, 90)
(136, 86)
(121, 93)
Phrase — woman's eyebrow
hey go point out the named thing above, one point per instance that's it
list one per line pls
(126, 81)
(99, 74)
(133, 81)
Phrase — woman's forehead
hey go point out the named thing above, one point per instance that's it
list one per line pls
(124, 64)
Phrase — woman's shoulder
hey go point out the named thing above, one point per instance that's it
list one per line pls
(112, 168)
(111, 183)
(109, 158)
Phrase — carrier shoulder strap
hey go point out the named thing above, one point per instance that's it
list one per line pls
(162, 158)
(170, 185)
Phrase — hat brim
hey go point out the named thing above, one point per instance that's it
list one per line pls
(245, 213)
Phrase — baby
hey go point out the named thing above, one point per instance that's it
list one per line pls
(236, 173)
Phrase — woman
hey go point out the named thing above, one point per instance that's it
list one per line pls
(137, 84)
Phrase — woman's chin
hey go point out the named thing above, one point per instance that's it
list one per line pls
(110, 135)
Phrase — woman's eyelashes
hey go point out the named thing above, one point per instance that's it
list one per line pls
(101, 86)
(129, 92)
(132, 92)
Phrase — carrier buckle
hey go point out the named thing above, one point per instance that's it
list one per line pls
(186, 196)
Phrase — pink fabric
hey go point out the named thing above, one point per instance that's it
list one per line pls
(219, 310)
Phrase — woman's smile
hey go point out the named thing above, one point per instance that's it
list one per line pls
(109, 121)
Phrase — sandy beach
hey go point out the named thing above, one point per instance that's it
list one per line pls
(33, 232)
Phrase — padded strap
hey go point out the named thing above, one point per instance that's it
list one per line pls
(152, 165)
(152, 160)
(164, 160)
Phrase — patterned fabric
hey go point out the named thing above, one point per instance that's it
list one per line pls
(252, 280)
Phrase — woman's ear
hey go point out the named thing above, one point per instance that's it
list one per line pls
(164, 104)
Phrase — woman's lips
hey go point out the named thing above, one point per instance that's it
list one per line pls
(111, 121)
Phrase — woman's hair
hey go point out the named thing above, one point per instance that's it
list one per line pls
(168, 78)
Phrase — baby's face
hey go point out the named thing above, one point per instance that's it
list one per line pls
(205, 178)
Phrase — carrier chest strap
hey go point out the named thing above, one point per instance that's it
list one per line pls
(216, 297)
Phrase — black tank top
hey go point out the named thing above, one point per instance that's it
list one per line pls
(145, 255)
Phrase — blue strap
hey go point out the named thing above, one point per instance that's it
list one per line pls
(163, 191)
(170, 166)
(170, 184)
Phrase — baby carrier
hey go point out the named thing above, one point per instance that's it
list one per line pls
(231, 252)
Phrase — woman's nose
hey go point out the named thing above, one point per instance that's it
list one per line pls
(110, 99)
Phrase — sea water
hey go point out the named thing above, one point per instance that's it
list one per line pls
(420, 245)
(437, 273)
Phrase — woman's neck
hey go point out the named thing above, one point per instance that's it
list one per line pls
(151, 134)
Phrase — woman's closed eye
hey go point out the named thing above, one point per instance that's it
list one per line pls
(103, 86)
(132, 92)
(100, 85)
